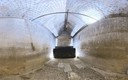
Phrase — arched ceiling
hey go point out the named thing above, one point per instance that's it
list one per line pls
(31, 9)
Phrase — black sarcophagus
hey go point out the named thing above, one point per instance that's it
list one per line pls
(64, 52)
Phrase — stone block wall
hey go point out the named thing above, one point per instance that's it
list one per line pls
(23, 47)
(63, 40)
(104, 44)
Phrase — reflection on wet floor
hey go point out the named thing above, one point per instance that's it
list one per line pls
(66, 69)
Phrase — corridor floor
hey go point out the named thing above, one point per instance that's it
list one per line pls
(67, 69)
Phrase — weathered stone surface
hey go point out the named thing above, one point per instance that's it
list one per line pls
(106, 42)
(64, 40)
(22, 50)
(51, 71)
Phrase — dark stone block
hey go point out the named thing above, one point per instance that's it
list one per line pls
(64, 52)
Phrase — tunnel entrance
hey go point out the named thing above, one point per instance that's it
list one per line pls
(64, 52)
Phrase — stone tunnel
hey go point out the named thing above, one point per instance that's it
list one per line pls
(31, 29)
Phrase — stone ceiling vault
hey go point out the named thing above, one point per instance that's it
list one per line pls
(31, 9)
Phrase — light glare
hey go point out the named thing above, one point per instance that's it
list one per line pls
(92, 13)
(51, 55)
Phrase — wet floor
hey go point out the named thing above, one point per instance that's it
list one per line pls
(66, 69)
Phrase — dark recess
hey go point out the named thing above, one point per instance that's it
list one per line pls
(64, 52)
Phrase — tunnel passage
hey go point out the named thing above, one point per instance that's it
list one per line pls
(28, 31)
(64, 47)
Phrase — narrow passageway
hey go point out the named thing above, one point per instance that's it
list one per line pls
(66, 69)
(93, 31)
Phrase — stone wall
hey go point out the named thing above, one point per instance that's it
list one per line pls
(64, 40)
(24, 47)
(104, 44)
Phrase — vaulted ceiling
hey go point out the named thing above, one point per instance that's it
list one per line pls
(51, 13)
